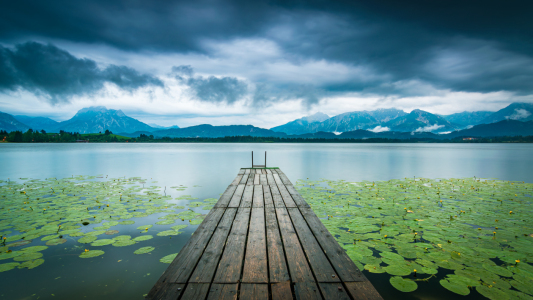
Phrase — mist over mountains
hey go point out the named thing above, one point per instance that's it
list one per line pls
(515, 119)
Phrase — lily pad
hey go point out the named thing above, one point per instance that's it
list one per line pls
(34, 249)
(103, 242)
(8, 266)
(55, 242)
(144, 227)
(403, 285)
(165, 222)
(169, 258)
(91, 253)
(492, 293)
(87, 239)
(461, 289)
(123, 243)
(30, 264)
(111, 232)
(144, 250)
(28, 256)
(130, 222)
(142, 238)
(168, 232)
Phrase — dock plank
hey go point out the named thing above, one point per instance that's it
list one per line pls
(270, 179)
(263, 179)
(195, 291)
(287, 198)
(223, 291)
(257, 179)
(224, 200)
(251, 179)
(306, 291)
(322, 269)
(267, 196)
(342, 263)
(247, 196)
(258, 196)
(237, 179)
(255, 265)
(276, 256)
(281, 291)
(205, 270)
(230, 265)
(363, 290)
(236, 198)
(334, 291)
(254, 291)
(167, 291)
(276, 196)
(298, 267)
(244, 179)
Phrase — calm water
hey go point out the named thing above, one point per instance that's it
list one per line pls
(121, 275)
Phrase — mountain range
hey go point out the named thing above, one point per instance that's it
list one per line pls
(515, 119)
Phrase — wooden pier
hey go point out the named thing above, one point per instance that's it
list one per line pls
(262, 241)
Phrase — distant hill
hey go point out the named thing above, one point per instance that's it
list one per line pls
(98, 118)
(467, 118)
(38, 123)
(420, 121)
(384, 115)
(213, 131)
(9, 123)
(502, 128)
(515, 111)
(157, 127)
(302, 125)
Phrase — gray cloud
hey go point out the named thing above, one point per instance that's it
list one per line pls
(46, 69)
(266, 94)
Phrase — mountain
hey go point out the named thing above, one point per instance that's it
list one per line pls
(213, 131)
(502, 128)
(348, 122)
(98, 118)
(38, 123)
(420, 121)
(386, 114)
(157, 127)
(515, 111)
(467, 118)
(302, 125)
(9, 123)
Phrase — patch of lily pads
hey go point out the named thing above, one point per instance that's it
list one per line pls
(416, 230)
(84, 209)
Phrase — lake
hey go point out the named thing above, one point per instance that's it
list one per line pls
(207, 169)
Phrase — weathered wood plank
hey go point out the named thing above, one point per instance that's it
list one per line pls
(241, 171)
(287, 198)
(263, 179)
(299, 200)
(227, 291)
(251, 179)
(247, 196)
(333, 291)
(258, 196)
(276, 256)
(270, 179)
(298, 267)
(247, 171)
(276, 196)
(291, 189)
(306, 291)
(257, 178)
(224, 200)
(284, 178)
(267, 196)
(281, 291)
(255, 262)
(205, 270)
(277, 179)
(167, 291)
(363, 290)
(229, 268)
(322, 269)
(181, 268)
(195, 291)
(244, 179)
(268, 171)
(341, 262)
(236, 198)
(237, 179)
(254, 291)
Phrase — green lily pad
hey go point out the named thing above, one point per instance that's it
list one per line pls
(498, 270)
(165, 222)
(111, 232)
(169, 258)
(195, 222)
(34, 249)
(456, 287)
(123, 243)
(492, 293)
(8, 266)
(55, 242)
(103, 242)
(142, 238)
(403, 285)
(28, 256)
(144, 250)
(130, 222)
(178, 227)
(144, 227)
(30, 264)
(91, 253)
(18, 244)
(168, 232)
(122, 237)
(398, 270)
(87, 239)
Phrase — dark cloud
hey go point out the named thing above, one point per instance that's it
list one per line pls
(266, 94)
(211, 89)
(410, 40)
(46, 69)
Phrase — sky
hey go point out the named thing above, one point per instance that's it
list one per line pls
(262, 63)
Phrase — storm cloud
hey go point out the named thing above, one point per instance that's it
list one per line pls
(46, 69)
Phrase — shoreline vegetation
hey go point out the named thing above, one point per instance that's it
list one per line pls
(31, 136)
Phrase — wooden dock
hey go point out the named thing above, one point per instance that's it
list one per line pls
(262, 241)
